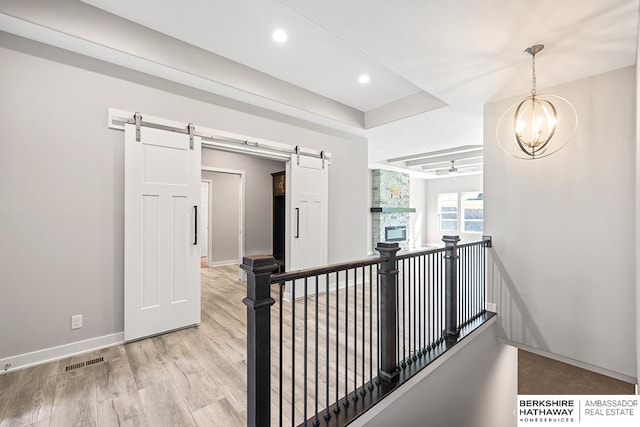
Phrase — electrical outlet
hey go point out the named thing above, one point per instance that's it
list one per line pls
(76, 321)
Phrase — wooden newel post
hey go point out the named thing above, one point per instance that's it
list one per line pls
(258, 302)
(388, 273)
(451, 331)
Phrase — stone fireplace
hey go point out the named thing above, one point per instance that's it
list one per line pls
(390, 211)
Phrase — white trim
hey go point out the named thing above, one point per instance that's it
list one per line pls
(51, 354)
(209, 211)
(223, 263)
(413, 381)
(241, 216)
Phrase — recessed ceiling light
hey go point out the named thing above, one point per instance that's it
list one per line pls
(280, 36)
(364, 79)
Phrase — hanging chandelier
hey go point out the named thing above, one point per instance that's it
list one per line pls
(536, 121)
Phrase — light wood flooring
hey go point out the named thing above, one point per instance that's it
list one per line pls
(192, 377)
(197, 376)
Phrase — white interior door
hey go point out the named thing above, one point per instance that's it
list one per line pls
(162, 253)
(308, 194)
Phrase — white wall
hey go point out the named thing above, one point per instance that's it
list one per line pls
(475, 387)
(418, 219)
(61, 183)
(563, 261)
(224, 218)
(637, 217)
(453, 184)
(258, 196)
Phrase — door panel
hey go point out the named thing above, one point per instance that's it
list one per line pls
(308, 186)
(162, 258)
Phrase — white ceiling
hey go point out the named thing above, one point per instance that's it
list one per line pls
(433, 64)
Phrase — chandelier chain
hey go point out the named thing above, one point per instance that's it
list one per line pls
(533, 74)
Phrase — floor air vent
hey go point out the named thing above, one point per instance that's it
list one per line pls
(83, 364)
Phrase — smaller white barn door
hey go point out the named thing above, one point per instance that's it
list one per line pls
(162, 252)
(308, 182)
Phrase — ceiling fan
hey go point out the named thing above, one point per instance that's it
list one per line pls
(453, 169)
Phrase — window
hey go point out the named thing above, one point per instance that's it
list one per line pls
(472, 212)
(448, 211)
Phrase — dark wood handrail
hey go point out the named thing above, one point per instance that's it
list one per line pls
(317, 271)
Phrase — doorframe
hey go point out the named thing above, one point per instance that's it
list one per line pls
(209, 210)
(241, 203)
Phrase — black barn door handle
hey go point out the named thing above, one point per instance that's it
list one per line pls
(195, 226)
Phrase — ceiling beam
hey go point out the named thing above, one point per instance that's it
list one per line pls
(461, 149)
(445, 158)
(445, 165)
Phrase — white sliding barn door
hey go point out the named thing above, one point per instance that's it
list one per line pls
(308, 192)
(162, 252)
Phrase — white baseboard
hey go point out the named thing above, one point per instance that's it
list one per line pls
(223, 263)
(60, 352)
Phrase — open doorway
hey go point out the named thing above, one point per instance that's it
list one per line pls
(250, 212)
(223, 218)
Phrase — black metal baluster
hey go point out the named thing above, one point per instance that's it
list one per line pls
(293, 353)
(461, 306)
(471, 285)
(473, 282)
(481, 277)
(280, 299)
(327, 412)
(434, 302)
(409, 317)
(440, 282)
(415, 313)
(346, 340)
(467, 274)
(304, 351)
(355, 334)
(417, 309)
(371, 328)
(316, 422)
(364, 328)
(483, 300)
(469, 300)
(336, 408)
(404, 313)
(377, 321)
(398, 284)
(479, 281)
(420, 304)
(460, 291)
(432, 298)
(474, 278)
